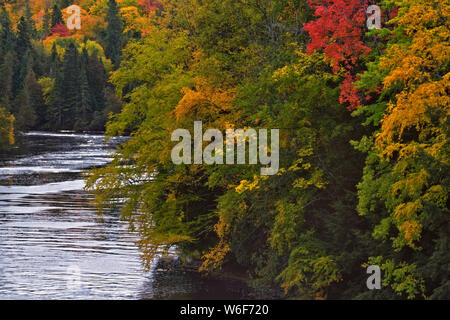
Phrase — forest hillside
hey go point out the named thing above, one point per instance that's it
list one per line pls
(360, 96)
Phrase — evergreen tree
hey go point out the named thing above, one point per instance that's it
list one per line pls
(29, 18)
(46, 24)
(54, 114)
(85, 107)
(24, 113)
(34, 90)
(24, 64)
(86, 103)
(7, 36)
(55, 62)
(23, 37)
(97, 78)
(56, 17)
(70, 85)
(64, 3)
(40, 59)
(114, 33)
(7, 79)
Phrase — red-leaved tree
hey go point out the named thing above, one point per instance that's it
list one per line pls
(60, 30)
(149, 5)
(339, 31)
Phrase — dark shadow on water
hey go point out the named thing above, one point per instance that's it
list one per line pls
(191, 285)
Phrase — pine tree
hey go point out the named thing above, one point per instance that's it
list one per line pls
(7, 79)
(64, 3)
(97, 78)
(55, 62)
(70, 85)
(23, 37)
(46, 24)
(85, 106)
(64, 99)
(25, 53)
(24, 113)
(54, 114)
(7, 36)
(29, 18)
(34, 90)
(24, 63)
(86, 103)
(114, 36)
(56, 17)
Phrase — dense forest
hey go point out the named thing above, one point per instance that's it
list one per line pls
(51, 77)
(362, 113)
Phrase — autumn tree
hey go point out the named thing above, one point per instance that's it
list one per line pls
(339, 31)
(6, 129)
(294, 230)
(404, 191)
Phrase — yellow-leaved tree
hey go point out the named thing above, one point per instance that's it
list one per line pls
(6, 128)
(406, 180)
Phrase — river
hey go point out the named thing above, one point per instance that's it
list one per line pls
(53, 243)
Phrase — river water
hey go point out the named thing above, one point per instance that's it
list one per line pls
(54, 245)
